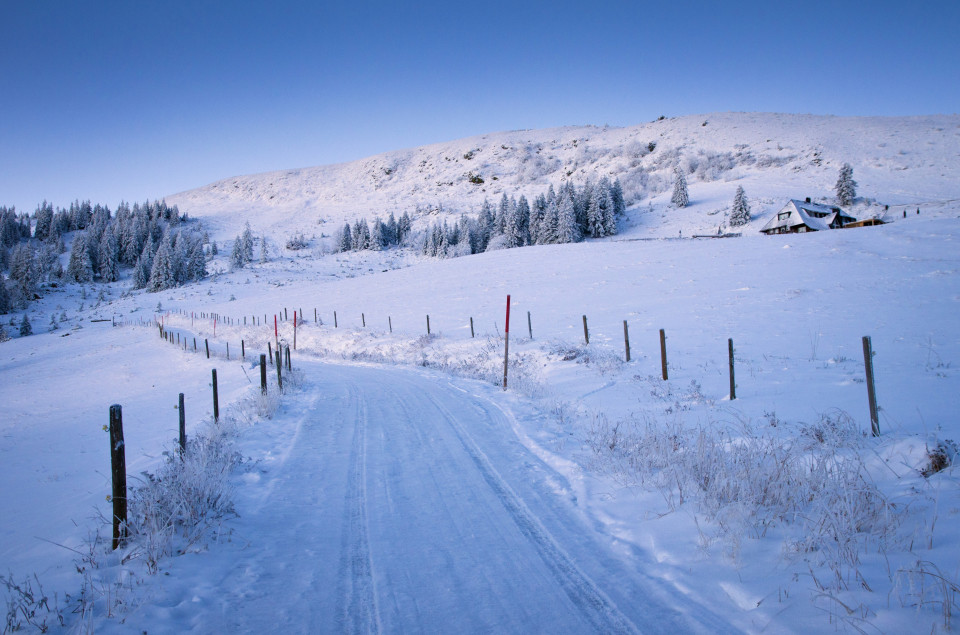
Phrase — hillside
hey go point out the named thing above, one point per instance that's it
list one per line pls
(396, 473)
(906, 161)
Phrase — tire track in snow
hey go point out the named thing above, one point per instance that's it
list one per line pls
(358, 595)
(594, 605)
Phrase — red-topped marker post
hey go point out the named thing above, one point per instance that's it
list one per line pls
(506, 343)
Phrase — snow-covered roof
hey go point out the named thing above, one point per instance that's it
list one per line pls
(814, 215)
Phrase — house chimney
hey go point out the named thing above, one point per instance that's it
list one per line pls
(807, 199)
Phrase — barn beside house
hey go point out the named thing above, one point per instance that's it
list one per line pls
(803, 216)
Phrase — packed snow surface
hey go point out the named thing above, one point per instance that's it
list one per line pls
(396, 486)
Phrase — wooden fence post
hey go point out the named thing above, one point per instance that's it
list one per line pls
(871, 388)
(626, 339)
(334, 319)
(194, 345)
(586, 333)
(270, 352)
(285, 318)
(263, 373)
(428, 324)
(279, 364)
(363, 320)
(733, 384)
(183, 427)
(207, 344)
(314, 315)
(390, 323)
(228, 351)
(243, 349)
(216, 400)
(663, 353)
(289, 365)
(529, 325)
(118, 469)
(471, 326)
(295, 330)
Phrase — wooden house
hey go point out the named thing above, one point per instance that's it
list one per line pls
(803, 216)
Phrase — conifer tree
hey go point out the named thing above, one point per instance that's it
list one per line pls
(23, 269)
(4, 296)
(247, 244)
(616, 197)
(740, 213)
(80, 269)
(568, 229)
(346, 239)
(236, 254)
(44, 221)
(846, 187)
(109, 256)
(264, 249)
(547, 232)
(680, 197)
(141, 271)
(162, 274)
(25, 326)
(377, 236)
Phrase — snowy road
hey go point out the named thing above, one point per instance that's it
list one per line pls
(402, 502)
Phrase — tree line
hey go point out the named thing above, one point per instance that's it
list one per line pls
(163, 249)
(567, 215)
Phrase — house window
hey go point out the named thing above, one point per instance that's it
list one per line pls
(783, 215)
(803, 228)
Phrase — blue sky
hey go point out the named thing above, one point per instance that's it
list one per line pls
(129, 100)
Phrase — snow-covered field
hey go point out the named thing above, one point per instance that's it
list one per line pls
(399, 488)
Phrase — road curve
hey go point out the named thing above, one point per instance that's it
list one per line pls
(404, 502)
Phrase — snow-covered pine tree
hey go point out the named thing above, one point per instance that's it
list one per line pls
(361, 235)
(345, 242)
(377, 236)
(162, 274)
(616, 197)
(568, 229)
(53, 322)
(23, 269)
(846, 187)
(522, 221)
(3, 334)
(247, 243)
(80, 269)
(680, 196)
(44, 221)
(404, 225)
(390, 230)
(4, 296)
(197, 262)
(236, 254)
(503, 212)
(109, 256)
(740, 213)
(538, 212)
(25, 327)
(547, 232)
(264, 249)
(141, 271)
(599, 210)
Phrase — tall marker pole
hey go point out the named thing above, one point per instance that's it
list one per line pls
(506, 343)
(276, 332)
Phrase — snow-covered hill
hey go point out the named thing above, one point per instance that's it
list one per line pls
(906, 161)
